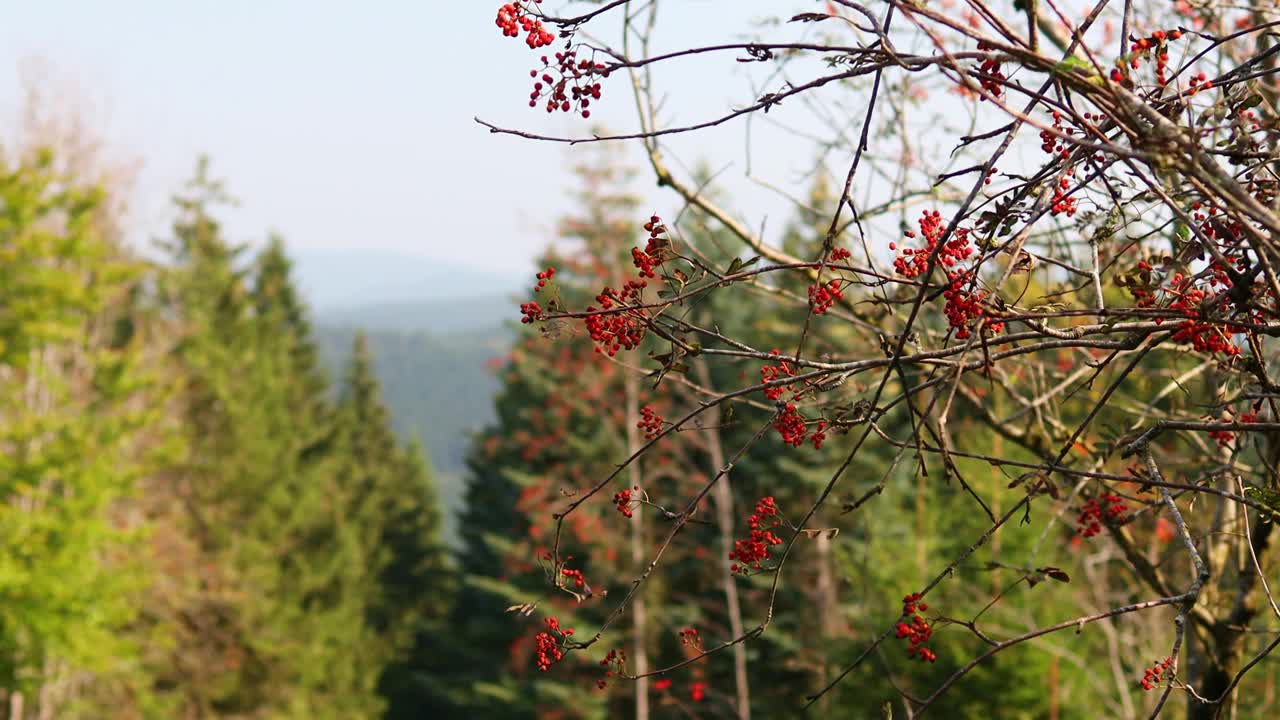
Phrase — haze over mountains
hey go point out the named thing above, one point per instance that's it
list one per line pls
(347, 283)
(433, 330)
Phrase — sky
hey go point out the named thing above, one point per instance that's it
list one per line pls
(350, 125)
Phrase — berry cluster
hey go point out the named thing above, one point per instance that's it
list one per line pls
(990, 73)
(750, 553)
(769, 373)
(1226, 437)
(1203, 336)
(964, 308)
(515, 17)
(543, 277)
(822, 297)
(819, 435)
(915, 629)
(652, 255)
(689, 638)
(697, 691)
(838, 254)
(622, 499)
(1154, 46)
(1110, 510)
(613, 663)
(913, 262)
(619, 330)
(548, 643)
(662, 684)
(1152, 676)
(566, 83)
(790, 424)
(650, 422)
(530, 312)
(575, 575)
(1052, 143)
(1062, 202)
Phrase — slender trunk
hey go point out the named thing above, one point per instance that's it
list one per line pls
(638, 608)
(15, 706)
(723, 497)
(826, 602)
(1053, 688)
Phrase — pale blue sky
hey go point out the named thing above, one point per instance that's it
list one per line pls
(349, 125)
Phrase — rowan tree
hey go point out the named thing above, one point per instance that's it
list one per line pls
(1042, 300)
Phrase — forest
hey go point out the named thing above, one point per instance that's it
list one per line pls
(983, 427)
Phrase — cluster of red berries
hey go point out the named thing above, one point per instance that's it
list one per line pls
(566, 83)
(913, 262)
(652, 255)
(1226, 437)
(689, 638)
(575, 576)
(791, 426)
(769, 373)
(915, 629)
(548, 643)
(531, 312)
(1052, 143)
(662, 684)
(838, 254)
(514, 18)
(750, 553)
(1062, 202)
(621, 330)
(991, 75)
(613, 663)
(543, 277)
(964, 308)
(1156, 45)
(1110, 510)
(819, 435)
(1152, 676)
(822, 297)
(650, 422)
(1199, 82)
(1203, 336)
(622, 499)
(697, 691)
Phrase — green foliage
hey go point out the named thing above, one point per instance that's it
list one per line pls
(74, 405)
(193, 526)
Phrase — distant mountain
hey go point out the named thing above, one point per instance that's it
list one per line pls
(469, 315)
(339, 280)
(433, 331)
(439, 389)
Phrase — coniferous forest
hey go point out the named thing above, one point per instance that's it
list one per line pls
(983, 425)
(199, 522)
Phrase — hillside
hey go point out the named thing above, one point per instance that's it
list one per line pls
(438, 388)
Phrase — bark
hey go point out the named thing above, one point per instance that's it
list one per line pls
(723, 497)
(1216, 649)
(1218, 656)
(638, 608)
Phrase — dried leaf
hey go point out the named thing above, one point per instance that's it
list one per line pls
(1055, 573)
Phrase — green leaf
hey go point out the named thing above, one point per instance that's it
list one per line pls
(1265, 496)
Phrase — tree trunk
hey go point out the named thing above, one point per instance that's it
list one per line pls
(638, 554)
(723, 496)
